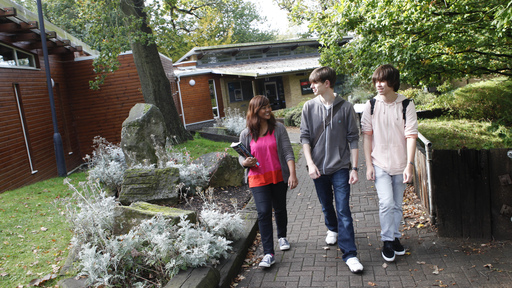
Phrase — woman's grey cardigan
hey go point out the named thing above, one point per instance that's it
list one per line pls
(284, 149)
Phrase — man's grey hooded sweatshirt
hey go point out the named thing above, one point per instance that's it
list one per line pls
(332, 151)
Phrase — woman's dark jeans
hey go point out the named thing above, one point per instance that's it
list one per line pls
(268, 197)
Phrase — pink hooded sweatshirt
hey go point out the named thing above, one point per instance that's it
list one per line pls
(389, 145)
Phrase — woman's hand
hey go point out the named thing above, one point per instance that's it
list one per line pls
(250, 162)
(292, 181)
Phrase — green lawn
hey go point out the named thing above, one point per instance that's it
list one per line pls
(34, 233)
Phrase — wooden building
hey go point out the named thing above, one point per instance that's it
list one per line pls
(27, 153)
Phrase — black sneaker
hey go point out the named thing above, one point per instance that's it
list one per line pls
(398, 248)
(387, 251)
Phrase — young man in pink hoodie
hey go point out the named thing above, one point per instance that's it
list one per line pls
(390, 130)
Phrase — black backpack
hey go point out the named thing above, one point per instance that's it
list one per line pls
(405, 103)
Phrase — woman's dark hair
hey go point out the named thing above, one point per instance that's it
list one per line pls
(321, 74)
(389, 74)
(253, 120)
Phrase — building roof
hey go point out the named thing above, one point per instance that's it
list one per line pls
(234, 48)
(255, 69)
(20, 27)
(299, 55)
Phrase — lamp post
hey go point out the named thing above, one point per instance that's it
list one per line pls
(57, 140)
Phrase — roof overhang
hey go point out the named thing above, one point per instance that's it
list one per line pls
(20, 28)
(258, 69)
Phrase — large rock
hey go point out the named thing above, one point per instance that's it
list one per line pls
(127, 217)
(156, 186)
(223, 169)
(143, 132)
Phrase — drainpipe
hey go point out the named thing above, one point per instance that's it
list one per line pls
(181, 103)
(57, 139)
(428, 154)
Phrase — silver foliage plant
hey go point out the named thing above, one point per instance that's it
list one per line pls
(107, 164)
(234, 121)
(151, 253)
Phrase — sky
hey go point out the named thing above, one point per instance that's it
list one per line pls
(277, 18)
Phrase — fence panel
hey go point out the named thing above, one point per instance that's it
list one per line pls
(501, 197)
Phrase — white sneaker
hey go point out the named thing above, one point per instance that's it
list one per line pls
(354, 265)
(332, 237)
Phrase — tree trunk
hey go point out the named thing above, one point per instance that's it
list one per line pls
(156, 88)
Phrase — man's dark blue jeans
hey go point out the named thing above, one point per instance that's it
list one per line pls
(340, 222)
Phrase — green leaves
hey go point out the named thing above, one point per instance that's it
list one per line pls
(429, 41)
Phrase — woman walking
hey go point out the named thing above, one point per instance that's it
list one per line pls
(269, 173)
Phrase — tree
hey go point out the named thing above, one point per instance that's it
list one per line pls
(154, 83)
(429, 41)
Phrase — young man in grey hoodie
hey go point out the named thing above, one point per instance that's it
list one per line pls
(329, 133)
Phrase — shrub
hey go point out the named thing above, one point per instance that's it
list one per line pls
(234, 121)
(293, 115)
(422, 99)
(487, 100)
(107, 164)
(152, 252)
(360, 95)
(191, 174)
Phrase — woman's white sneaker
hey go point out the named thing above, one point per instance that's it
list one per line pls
(267, 261)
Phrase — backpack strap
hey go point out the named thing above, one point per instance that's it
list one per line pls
(405, 103)
(372, 105)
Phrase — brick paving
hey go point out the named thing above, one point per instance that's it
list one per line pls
(430, 261)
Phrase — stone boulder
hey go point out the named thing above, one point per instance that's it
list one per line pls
(223, 169)
(156, 186)
(142, 133)
(127, 217)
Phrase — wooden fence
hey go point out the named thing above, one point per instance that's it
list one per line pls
(471, 192)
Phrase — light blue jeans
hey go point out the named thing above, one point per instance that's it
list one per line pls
(390, 189)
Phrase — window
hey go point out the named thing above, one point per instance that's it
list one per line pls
(12, 57)
(240, 91)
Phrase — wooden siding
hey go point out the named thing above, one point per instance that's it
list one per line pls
(102, 112)
(15, 169)
(196, 99)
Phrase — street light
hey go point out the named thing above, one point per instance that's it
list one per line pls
(57, 140)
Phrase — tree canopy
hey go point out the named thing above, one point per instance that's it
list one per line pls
(429, 41)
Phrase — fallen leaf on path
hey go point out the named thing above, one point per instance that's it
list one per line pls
(488, 266)
(436, 270)
(372, 284)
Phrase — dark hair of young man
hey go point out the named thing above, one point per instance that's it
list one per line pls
(389, 74)
(321, 74)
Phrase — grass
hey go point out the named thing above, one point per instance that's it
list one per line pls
(445, 133)
(34, 233)
(200, 146)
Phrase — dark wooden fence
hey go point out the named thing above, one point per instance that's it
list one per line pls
(471, 192)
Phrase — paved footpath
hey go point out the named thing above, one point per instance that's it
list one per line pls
(430, 261)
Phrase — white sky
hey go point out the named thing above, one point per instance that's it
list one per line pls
(277, 19)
